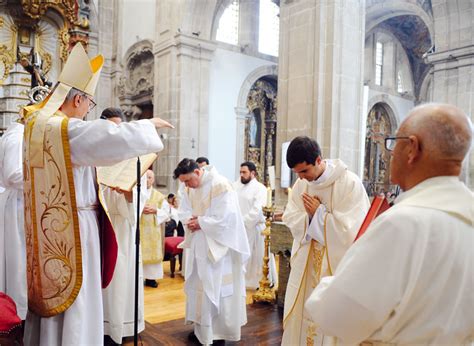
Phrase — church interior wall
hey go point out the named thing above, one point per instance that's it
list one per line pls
(138, 22)
(228, 71)
(400, 106)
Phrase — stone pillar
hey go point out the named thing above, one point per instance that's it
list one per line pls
(107, 43)
(182, 96)
(242, 114)
(320, 77)
(249, 26)
(453, 62)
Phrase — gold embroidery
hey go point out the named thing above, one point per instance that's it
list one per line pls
(327, 246)
(54, 262)
(317, 256)
(310, 334)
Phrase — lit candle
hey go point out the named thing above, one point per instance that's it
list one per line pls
(289, 194)
(269, 197)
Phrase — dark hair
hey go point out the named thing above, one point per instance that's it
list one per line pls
(302, 149)
(250, 165)
(112, 112)
(202, 159)
(184, 167)
(171, 195)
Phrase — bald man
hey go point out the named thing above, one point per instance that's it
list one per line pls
(409, 279)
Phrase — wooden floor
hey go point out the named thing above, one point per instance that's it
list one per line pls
(264, 327)
(164, 316)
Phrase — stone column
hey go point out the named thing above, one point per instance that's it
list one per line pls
(249, 26)
(107, 42)
(242, 114)
(320, 79)
(453, 62)
(182, 96)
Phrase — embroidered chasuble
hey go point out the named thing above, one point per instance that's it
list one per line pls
(150, 231)
(344, 204)
(54, 264)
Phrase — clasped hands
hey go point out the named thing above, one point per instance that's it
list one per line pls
(193, 224)
(311, 203)
(149, 209)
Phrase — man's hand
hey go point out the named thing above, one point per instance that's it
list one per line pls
(160, 123)
(193, 224)
(311, 203)
(148, 209)
(127, 194)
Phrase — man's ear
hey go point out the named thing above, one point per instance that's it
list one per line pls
(414, 149)
(318, 161)
(77, 100)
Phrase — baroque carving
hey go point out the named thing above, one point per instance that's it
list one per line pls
(7, 60)
(63, 36)
(8, 42)
(36, 9)
(377, 158)
(260, 128)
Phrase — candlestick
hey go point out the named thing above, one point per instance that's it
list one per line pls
(269, 197)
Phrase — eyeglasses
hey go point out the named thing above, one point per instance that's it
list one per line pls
(92, 103)
(391, 141)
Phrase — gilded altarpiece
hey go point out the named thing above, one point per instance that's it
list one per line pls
(377, 158)
(40, 33)
(260, 126)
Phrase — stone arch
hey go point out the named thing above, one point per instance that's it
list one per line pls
(426, 89)
(382, 11)
(389, 106)
(220, 8)
(198, 17)
(241, 110)
(412, 24)
(259, 72)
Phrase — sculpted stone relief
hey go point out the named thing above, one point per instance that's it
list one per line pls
(135, 87)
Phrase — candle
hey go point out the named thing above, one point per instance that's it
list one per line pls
(269, 197)
(289, 194)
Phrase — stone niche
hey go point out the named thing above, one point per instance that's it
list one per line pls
(135, 88)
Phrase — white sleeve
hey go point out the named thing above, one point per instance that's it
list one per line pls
(12, 161)
(315, 228)
(255, 214)
(103, 143)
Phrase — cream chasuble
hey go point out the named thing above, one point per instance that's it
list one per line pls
(82, 322)
(409, 279)
(345, 204)
(215, 258)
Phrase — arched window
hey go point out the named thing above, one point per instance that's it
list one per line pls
(378, 63)
(269, 28)
(228, 29)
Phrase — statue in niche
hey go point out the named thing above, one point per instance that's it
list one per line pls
(253, 135)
